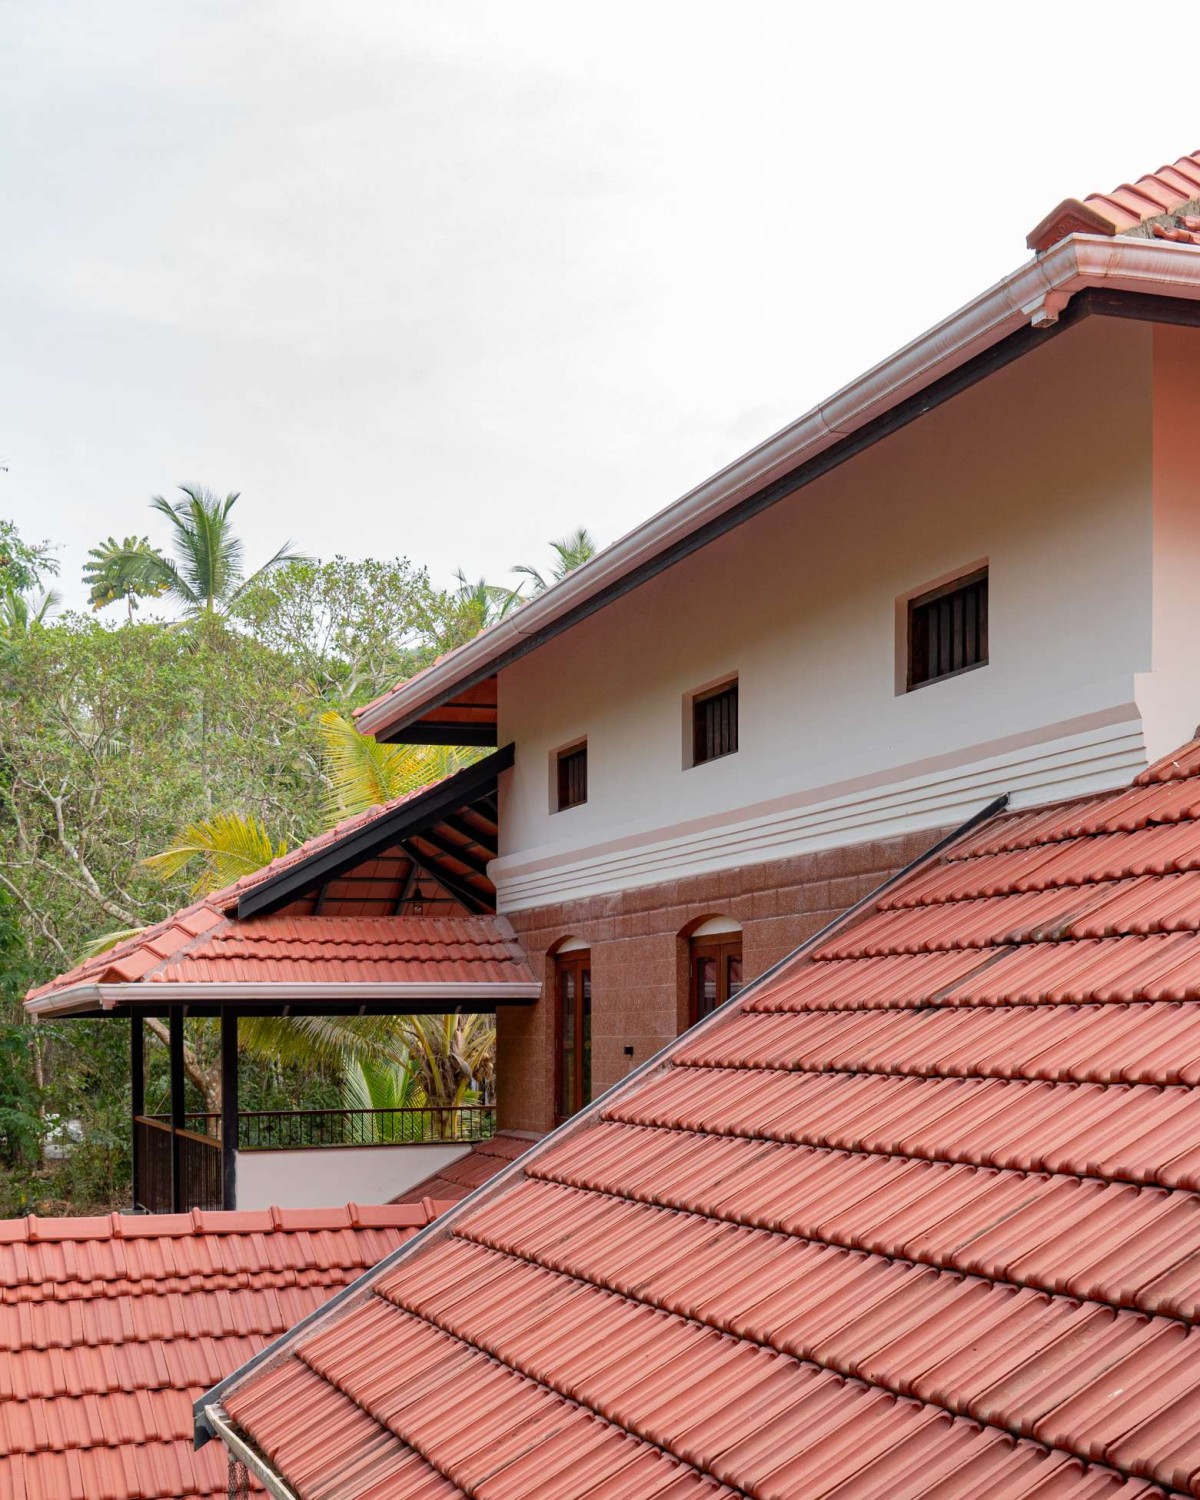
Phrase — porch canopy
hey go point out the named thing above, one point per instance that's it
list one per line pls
(391, 912)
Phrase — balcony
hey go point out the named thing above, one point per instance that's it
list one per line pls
(287, 1157)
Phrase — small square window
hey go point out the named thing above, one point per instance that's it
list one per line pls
(715, 723)
(948, 630)
(572, 776)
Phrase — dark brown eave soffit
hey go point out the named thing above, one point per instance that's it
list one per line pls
(443, 722)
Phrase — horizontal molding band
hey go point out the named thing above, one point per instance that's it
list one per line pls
(1094, 761)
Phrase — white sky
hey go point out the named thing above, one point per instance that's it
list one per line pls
(447, 278)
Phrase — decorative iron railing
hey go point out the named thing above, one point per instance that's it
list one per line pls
(305, 1129)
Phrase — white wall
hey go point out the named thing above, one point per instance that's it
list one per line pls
(1044, 469)
(333, 1174)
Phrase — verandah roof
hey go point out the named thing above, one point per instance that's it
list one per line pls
(391, 910)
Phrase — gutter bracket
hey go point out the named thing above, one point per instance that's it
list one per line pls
(1044, 311)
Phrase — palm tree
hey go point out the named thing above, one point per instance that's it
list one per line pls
(361, 772)
(129, 570)
(377, 1084)
(455, 1055)
(205, 577)
(228, 845)
(570, 552)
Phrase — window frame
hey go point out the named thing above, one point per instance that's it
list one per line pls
(958, 583)
(578, 962)
(722, 947)
(559, 775)
(695, 729)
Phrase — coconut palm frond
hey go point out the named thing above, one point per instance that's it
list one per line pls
(103, 941)
(361, 772)
(227, 846)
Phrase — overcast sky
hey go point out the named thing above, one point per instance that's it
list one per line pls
(445, 279)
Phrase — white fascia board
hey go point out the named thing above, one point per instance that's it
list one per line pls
(1036, 293)
(83, 998)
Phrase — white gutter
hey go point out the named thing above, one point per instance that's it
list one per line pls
(1035, 295)
(86, 998)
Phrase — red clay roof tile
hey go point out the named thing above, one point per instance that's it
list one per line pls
(111, 1327)
(917, 1215)
(1129, 207)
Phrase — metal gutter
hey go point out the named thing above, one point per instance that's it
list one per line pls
(1035, 297)
(88, 998)
(211, 1401)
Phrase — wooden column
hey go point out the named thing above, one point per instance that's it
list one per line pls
(229, 1107)
(137, 1096)
(175, 1051)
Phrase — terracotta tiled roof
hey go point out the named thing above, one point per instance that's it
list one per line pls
(137, 956)
(1145, 206)
(470, 1171)
(111, 1327)
(917, 1215)
(319, 950)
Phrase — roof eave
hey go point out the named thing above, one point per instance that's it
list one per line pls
(1033, 295)
(91, 999)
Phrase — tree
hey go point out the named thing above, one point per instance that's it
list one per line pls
(570, 552)
(228, 845)
(361, 772)
(23, 566)
(205, 577)
(128, 570)
(353, 629)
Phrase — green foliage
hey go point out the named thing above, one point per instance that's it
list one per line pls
(205, 576)
(361, 772)
(129, 570)
(570, 552)
(225, 847)
(353, 629)
(23, 566)
(112, 740)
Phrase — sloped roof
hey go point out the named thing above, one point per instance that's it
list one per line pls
(1145, 206)
(477, 1166)
(918, 1214)
(111, 1327)
(367, 867)
(137, 956)
(291, 954)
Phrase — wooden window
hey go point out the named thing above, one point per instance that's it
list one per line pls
(948, 630)
(716, 972)
(573, 1020)
(715, 723)
(572, 776)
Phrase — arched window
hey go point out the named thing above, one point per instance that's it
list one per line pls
(573, 1028)
(715, 965)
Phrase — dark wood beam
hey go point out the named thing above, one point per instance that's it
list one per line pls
(229, 1107)
(473, 900)
(137, 1097)
(175, 1069)
(460, 852)
(411, 817)
(458, 824)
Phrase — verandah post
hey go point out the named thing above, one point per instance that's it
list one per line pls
(229, 1107)
(137, 1097)
(175, 1050)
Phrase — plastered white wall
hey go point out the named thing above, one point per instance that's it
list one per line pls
(1044, 469)
(332, 1174)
